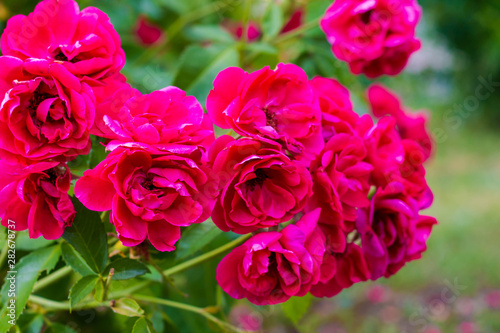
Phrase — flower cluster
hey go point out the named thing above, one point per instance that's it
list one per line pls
(48, 108)
(61, 86)
(374, 37)
(330, 197)
(355, 186)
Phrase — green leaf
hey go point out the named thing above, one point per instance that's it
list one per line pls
(127, 307)
(75, 260)
(99, 291)
(142, 325)
(81, 289)
(262, 48)
(126, 268)
(272, 22)
(60, 328)
(209, 33)
(195, 238)
(26, 273)
(97, 153)
(29, 323)
(296, 307)
(25, 243)
(88, 237)
(198, 67)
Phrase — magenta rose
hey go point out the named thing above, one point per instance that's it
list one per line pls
(351, 268)
(411, 126)
(392, 231)
(163, 117)
(384, 148)
(260, 186)
(374, 37)
(277, 104)
(150, 193)
(147, 33)
(46, 112)
(84, 42)
(341, 180)
(36, 198)
(337, 115)
(271, 267)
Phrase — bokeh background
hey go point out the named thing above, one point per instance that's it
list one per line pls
(456, 286)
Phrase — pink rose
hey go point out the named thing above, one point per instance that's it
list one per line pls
(260, 186)
(412, 126)
(46, 112)
(340, 178)
(151, 194)
(163, 117)
(351, 268)
(295, 21)
(337, 115)
(277, 104)
(392, 231)
(271, 267)
(375, 37)
(148, 33)
(84, 42)
(36, 198)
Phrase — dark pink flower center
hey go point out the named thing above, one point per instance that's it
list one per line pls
(365, 17)
(271, 119)
(260, 177)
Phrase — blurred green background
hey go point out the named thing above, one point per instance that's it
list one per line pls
(456, 286)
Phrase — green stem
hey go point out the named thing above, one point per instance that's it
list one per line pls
(51, 278)
(190, 308)
(48, 304)
(54, 305)
(204, 257)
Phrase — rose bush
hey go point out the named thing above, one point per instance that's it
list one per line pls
(294, 190)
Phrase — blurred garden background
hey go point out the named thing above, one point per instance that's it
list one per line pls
(456, 286)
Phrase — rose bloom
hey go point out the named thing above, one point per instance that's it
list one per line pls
(411, 126)
(341, 180)
(337, 115)
(260, 186)
(271, 267)
(84, 42)
(277, 104)
(374, 37)
(392, 231)
(385, 151)
(46, 112)
(148, 33)
(162, 117)
(151, 193)
(295, 21)
(351, 268)
(36, 198)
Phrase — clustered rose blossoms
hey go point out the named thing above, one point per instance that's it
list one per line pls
(374, 37)
(331, 198)
(355, 187)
